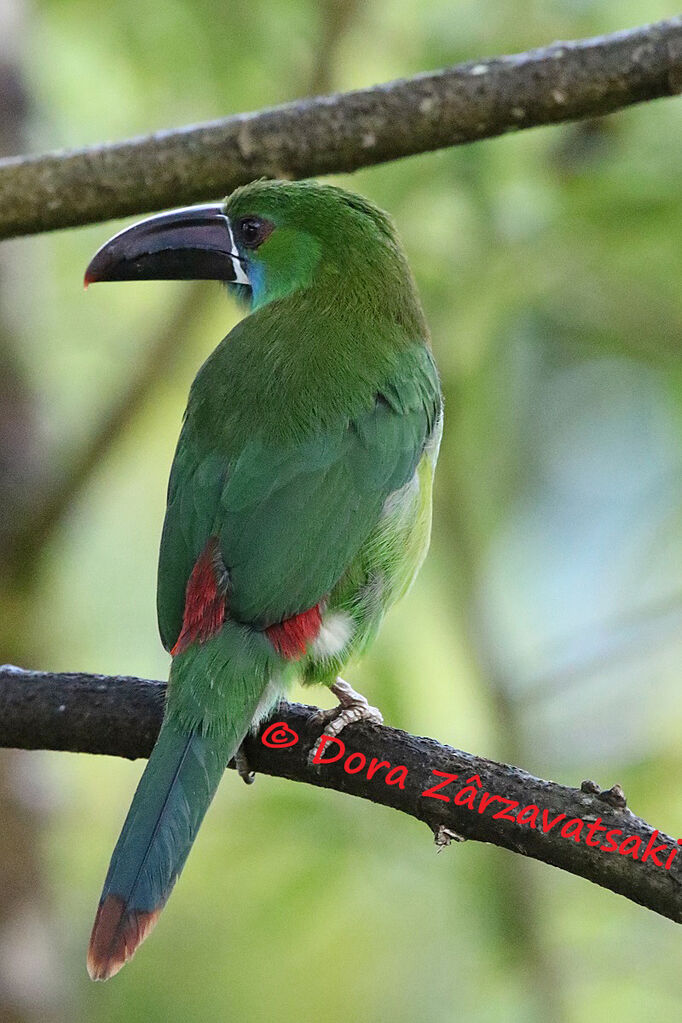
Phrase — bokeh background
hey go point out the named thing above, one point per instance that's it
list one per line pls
(545, 626)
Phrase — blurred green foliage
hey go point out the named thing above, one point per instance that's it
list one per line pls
(545, 626)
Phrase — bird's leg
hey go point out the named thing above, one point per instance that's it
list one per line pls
(241, 762)
(352, 707)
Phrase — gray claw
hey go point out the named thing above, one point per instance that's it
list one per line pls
(241, 762)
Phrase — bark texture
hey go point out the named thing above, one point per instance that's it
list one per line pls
(121, 716)
(331, 134)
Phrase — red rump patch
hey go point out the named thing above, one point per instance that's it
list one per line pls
(204, 599)
(290, 638)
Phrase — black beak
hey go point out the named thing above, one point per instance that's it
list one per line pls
(190, 244)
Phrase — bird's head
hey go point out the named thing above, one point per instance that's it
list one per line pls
(272, 237)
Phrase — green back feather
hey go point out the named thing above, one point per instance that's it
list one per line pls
(291, 515)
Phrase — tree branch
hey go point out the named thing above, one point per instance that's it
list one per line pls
(121, 716)
(331, 134)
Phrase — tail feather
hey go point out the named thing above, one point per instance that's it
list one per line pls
(169, 805)
(215, 689)
(116, 934)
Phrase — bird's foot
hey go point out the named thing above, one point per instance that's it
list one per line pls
(241, 762)
(352, 707)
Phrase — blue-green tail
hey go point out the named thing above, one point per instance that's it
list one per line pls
(172, 797)
(215, 690)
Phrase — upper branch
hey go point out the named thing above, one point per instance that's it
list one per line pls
(332, 134)
(122, 716)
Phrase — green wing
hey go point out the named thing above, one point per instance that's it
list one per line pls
(291, 518)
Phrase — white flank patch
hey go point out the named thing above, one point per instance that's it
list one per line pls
(334, 634)
(274, 691)
(399, 503)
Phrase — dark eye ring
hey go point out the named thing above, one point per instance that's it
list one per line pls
(253, 231)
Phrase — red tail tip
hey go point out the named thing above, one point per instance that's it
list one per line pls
(116, 935)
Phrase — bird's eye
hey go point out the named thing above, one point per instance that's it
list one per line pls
(252, 231)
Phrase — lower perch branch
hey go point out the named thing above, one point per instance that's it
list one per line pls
(471, 797)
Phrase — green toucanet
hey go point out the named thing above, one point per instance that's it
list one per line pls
(299, 501)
